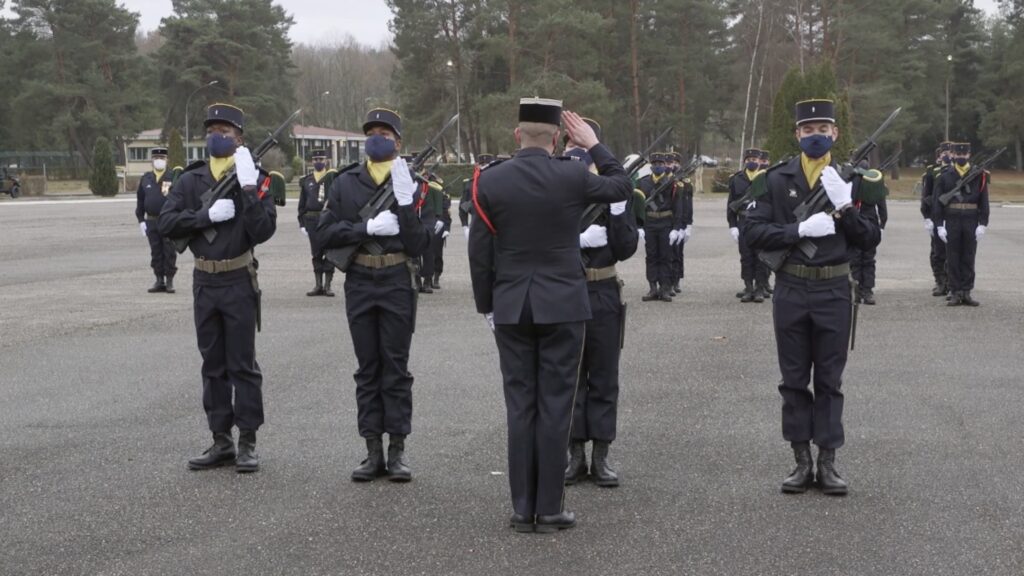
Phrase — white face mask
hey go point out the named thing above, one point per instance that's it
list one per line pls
(160, 165)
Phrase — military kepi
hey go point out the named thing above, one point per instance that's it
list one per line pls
(383, 117)
(226, 113)
(540, 111)
(815, 111)
(153, 152)
(962, 148)
(318, 154)
(752, 153)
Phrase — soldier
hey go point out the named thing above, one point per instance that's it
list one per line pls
(762, 269)
(862, 262)
(154, 186)
(466, 202)
(812, 305)
(429, 207)
(961, 223)
(751, 267)
(937, 256)
(227, 298)
(524, 255)
(312, 195)
(612, 239)
(441, 239)
(683, 187)
(379, 299)
(663, 217)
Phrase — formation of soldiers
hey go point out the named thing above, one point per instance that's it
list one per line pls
(545, 230)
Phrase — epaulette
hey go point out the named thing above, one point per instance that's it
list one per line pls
(872, 191)
(640, 193)
(276, 173)
(496, 162)
(687, 180)
(759, 187)
(195, 165)
(436, 186)
(277, 188)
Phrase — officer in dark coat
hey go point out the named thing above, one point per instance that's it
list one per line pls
(379, 298)
(751, 268)
(224, 283)
(428, 208)
(663, 219)
(961, 223)
(862, 262)
(441, 237)
(312, 197)
(524, 256)
(684, 188)
(937, 255)
(812, 302)
(154, 186)
(612, 239)
(466, 202)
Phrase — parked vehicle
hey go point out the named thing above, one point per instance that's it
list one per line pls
(9, 184)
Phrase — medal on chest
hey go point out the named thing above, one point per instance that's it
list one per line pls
(165, 188)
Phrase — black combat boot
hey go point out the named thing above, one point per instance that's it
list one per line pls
(829, 480)
(965, 298)
(664, 293)
(768, 288)
(328, 278)
(423, 288)
(547, 524)
(867, 296)
(940, 288)
(760, 293)
(954, 299)
(521, 523)
(248, 460)
(373, 467)
(741, 293)
(576, 471)
(397, 470)
(222, 453)
(436, 282)
(677, 288)
(652, 294)
(803, 475)
(319, 289)
(169, 284)
(158, 286)
(748, 291)
(600, 471)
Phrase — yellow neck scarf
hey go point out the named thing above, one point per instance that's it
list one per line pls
(813, 168)
(159, 175)
(318, 176)
(751, 174)
(379, 171)
(962, 170)
(218, 166)
(656, 178)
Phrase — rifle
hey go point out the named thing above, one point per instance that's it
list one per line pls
(228, 182)
(818, 200)
(679, 174)
(890, 161)
(382, 200)
(595, 212)
(973, 174)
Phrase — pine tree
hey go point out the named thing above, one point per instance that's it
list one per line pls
(175, 150)
(103, 178)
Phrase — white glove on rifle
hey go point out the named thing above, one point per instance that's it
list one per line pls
(673, 237)
(245, 168)
(685, 233)
(222, 210)
(383, 224)
(142, 226)
(818, 226)
(980, 231)
(642, 233)
(618, 208)
(438, 226)
(594, 237)
(839, 191)
(941, 231)
(304, 233)
(929, 226)
(401, 182)
(735, 234)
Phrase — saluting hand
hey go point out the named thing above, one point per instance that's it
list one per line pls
(579, 131)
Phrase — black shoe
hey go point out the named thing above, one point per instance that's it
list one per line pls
(829, 480)
(373, 466)
(328, 277)
(664, 293)
(741, 293)
(803, 475)
(868, 297)
(397, 470)
(319, 288)
(966, 300)
(248, 460)
(954, 299)
(435, 283)
(652, 294)
(768, 289)
(521, 523)
(576, 471)
(760, 294)
(421, 287)
(555, 522)
(603, 474)
(169, 284)
(748, 292)
(158, 286)
(222, 453)
(939, 289)
(677, 288)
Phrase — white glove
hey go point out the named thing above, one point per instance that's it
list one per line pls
(401, 182)
(222, 210)
(673, 237)
(490, 320)
(642, 233)
(245, 168)
(941, 230)
(818, 226)
(594, 237)
(980, 231)
(383, 224)
(618, 208)
(735, 234)
(929, 226)
(445, 234)
(142, 226)
(303, 230)
(839, 191)
(438, 226)
(465, 232)
(686, 233)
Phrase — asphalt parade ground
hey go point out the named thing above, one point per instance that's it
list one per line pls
(100, 408)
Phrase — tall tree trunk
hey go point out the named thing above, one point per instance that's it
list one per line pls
(757, 98)
(513, 49)
(1020, 154)
(634, 9)
(750, 76)
(800, 33)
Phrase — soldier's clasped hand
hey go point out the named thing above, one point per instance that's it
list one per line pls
(401, 180)
(245, 168)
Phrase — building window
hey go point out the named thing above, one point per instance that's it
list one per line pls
(138, 154)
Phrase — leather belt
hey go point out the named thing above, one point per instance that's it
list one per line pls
(381, 261)
(962, 206)
(817, 272)
(663, 214)
(152, 217)
(222, 266)
(599, 274)
(312, 213)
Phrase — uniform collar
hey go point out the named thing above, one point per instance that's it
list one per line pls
(523, 152)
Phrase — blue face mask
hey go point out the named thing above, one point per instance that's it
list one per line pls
(816, 146)
(380, 148)
(319, 166)
(221, 145)
(962, 161)
(659, 170)
(753, 166)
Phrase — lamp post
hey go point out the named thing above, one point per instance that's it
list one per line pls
(949, 73)
(458, 111)
(187, 100)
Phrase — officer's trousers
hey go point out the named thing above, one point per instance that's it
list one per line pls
(862, 266)
(961, 250)
(437, 250)
(937, 258)
(320, 264)
(659, 253)
(597, 399)
(162, 255)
